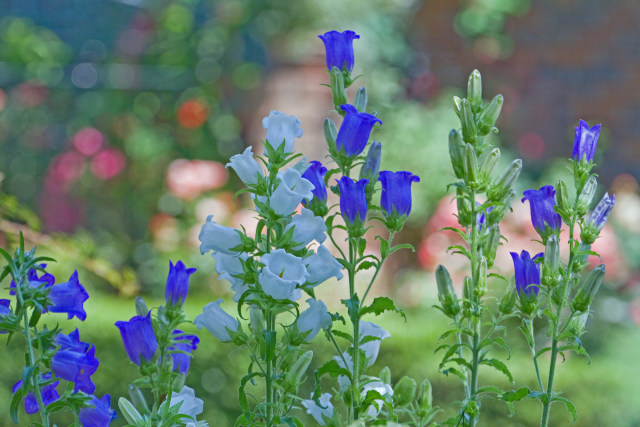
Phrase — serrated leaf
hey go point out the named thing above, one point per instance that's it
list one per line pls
(365, 265)
(489, 389)
(500, 366)
(333, 369)
(515, 395)
(380, 305)
(570, 407)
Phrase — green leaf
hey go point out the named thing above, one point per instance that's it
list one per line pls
(353, 307)
(455, 372)
(402, 246)
(541, 352)
(578, 349)
(459, 250)
(269, 345)
(490, 389)
(570, 407)
(362, 245)
(456, 230)
(15, 402)
(515, 395)
(380, 305)
(365, 265)
(242, 396)
(496, 364)
(342, 334)
(384, 247)
(333, 369)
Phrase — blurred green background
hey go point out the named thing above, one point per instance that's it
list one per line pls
(117, 117)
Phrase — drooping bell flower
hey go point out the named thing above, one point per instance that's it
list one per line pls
(138, 338)
(183, 348)
(292, 189)
(177, 283)
(527, 278)
(372, 348)
(354, 131)
(217, 321)
(49, 394)
(191, 405)
(307, 227)
(597, 219)
(319, 412)
(69, 297)
(218, 238)
(395, 199)
(321, 266)
(543, 216)
(247, 168)
(77, 367)
(339, 49)
(99, 414)
(315, 175)
(281, 129)
(353, 201)
(313, 319)
(281, 274)
(585, 141)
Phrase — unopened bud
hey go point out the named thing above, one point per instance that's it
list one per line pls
(500, 209)
(467, 293)
(465, 217)
(446, 293)
(474, 90)
(425, 395)
(505, 182)
(550, 276)
(578, 324)
(488, 117)
(361, 100)
(491, 243)
(371, 166)
(563, 204)
(338, 90)
(137, 398)
(256, 319)
(405, 391)
(469, 128)
(470, 165)
(129, 412)
(141, 307)
(508, 301)
(588, 289)
(385, 375)
(456, 153)
(298, 369)
(457, 106)
(586, 196)
(330, 134)
(489, 164)
(481, 287)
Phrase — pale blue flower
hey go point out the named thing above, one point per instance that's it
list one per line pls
(282, 128)
(191, 405)
(291, 190)
(247, 168)
(371, 348)
(384, 389)
(306, 228)
(316, 411)
(218, 238)
(229, 265)
(217, 321)
(321, 266)
(281, 274)
(314, 318)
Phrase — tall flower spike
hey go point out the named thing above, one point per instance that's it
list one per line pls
(585, 141)
(543, 215)
(177, 283)
(355, 130)
(339, 49)
(138, 337)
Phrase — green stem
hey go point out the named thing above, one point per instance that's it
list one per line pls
(533, 354)
(269, 373)
(378, 267)
(475, 323)
(355, 381)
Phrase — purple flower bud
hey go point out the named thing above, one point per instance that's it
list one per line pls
(99, 414)
(585, 141)
(69, 297)
(353, 201)
(49, 394)
(355, 130)
(396, 192)
(527, 272)
(315, 175)
(542, 203)
(339, 48)
(600, 214)
(177, 283)
(77, 367)
(138, 338)
(185, 345)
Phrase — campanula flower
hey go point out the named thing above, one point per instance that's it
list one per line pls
(527, 273)
(4, 311)
(355, 130)
(597, 219)
(281, 274)
(34, 281)
(317, 412)
(585, 141)
(49, 394)
(218, 238)
(353, 201)
(313, 319)
(384, 389)
(247, 168)
(227, 266)
(339, 49)
(71, 342)
(69, 297)
(185, 345)
(292, 189)
(282, 129)
(395, 199)
(307, 227)
(77, 367)
(321, 266)
(543, 215)
(138, 337)
(191, 405)
(99, 414)
(371, 348)
(177, 283)
(217, 321)
(315, 175)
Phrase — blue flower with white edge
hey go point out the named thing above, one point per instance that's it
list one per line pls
(585, 141)
(354, 131)
(318, 412)
(307, 227)
(247, 168)
(339, 49)
(218, 238)
(282, 129)
(281, 274)
(217, 321)
(99, 414)
(313, 319)
(321, 266)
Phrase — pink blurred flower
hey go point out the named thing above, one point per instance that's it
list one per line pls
(188, 179)
(108, 163)
(88, 141)
(64, 169)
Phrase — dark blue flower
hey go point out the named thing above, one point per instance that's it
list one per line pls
(49, 394)
(4, 310)
(353, 201)
(177, 283)
(395, 199)
(75, 365)
(339, 48)
(183, 348)
(99, 414)
(69, 297)
(71, 342)
(527, 273)
(600, 214)
(315, 174)
(585, 141)
(542, 203)
(355, 130)
(481, 217)
(138, 338)
(34, 281)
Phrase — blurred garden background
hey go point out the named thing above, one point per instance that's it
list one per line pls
(117, 118)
